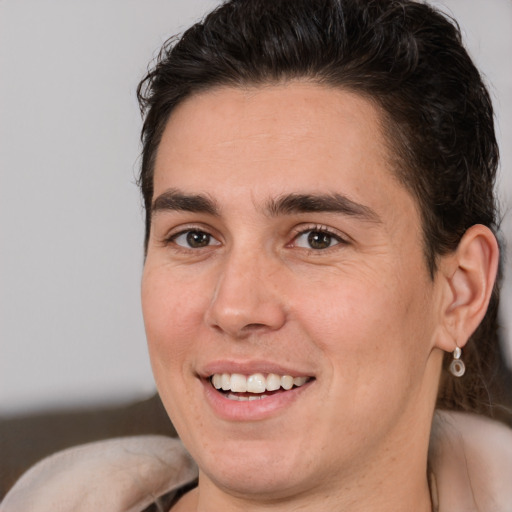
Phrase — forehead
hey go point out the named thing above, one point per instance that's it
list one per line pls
(271, 140)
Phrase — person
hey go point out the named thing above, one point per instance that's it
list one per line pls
(319, 289)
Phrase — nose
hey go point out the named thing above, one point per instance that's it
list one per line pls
(246, 298)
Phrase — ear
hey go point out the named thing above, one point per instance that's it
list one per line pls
(468, 276)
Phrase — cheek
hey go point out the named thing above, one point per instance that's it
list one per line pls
(367, 325)
(172, 312)
(375, 355)
(172, 317)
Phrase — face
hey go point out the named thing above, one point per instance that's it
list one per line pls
(283, 252)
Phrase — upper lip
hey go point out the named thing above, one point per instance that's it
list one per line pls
(249, 368)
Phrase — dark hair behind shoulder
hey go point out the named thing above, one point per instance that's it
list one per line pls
(408, 59)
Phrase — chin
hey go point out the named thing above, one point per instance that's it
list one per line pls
(261, 479)
(269, 469)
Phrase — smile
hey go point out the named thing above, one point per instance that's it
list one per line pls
(236, 386)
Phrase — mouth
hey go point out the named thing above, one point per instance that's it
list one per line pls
(257, 386)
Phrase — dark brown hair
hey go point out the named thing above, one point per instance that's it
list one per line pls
(404, 56)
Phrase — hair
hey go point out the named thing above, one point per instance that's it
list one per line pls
(405, 57)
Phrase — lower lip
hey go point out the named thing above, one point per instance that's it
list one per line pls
(251, 410)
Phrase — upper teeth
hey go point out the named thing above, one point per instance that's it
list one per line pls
(255, 383)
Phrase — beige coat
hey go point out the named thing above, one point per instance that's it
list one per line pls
(470, 456)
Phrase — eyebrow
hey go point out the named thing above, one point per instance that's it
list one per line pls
(174, 200)
(308, 203)
(289, 204)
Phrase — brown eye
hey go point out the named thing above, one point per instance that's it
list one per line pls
(198, 239)
(317, 240)
(194, 239)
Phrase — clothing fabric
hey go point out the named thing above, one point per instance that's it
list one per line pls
(128, 474)
(470, 459)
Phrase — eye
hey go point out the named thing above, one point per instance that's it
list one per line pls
(317, 239)
(194, 239)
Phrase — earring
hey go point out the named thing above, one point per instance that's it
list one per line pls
(457, 366)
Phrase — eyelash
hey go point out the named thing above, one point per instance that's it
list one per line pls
(316, 228)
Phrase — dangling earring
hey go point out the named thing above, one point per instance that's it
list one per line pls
(457, 366)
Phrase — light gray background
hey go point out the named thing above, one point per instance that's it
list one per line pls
(71, 331)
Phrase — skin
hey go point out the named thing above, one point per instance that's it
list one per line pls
(362, 316)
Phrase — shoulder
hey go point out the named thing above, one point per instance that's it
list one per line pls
(119, 475)
(471, 458)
